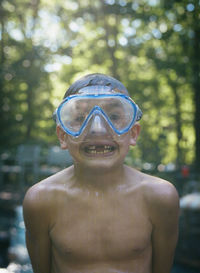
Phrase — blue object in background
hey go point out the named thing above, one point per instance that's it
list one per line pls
(20, 262)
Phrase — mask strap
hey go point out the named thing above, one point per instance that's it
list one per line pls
(95, 89)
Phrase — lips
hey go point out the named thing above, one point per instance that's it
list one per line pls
(99, 149)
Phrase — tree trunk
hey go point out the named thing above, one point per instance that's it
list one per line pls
(178, 128)
(30, 93)
(111, 49)
(196, 87)
(179, 157)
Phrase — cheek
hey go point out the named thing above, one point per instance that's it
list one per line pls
(126, 138)
(125, 143)
(73, 147)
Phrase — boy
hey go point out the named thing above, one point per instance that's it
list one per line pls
(100, 216)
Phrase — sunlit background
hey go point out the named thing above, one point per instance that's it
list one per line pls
(152, 46)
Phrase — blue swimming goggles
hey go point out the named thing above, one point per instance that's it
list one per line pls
(118, 110)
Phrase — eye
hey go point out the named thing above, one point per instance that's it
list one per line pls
(114, 116)
(79, 118)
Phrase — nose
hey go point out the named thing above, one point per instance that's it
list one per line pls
(98, 126)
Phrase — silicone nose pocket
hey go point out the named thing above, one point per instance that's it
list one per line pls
(97, 125)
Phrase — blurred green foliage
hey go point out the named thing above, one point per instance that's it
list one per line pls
(152, 46)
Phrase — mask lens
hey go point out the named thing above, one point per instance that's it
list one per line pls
(119, 111)
(75, 112)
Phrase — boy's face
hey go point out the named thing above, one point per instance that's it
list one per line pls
(98, 146)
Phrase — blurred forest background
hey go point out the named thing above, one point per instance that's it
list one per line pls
(152, 46)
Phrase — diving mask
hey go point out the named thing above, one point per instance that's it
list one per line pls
(117, 110)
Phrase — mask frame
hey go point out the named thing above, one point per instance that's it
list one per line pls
(98, 110)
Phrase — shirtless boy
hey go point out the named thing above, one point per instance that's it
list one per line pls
(99, 215)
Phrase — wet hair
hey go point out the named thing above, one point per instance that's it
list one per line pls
(96, 79)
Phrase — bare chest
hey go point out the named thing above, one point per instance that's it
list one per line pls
(101, 230)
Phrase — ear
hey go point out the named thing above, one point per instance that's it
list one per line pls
(62, 136)
(135, 131)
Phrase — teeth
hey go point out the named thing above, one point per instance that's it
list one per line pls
(99, 149)
(92, 147)
(107, 147)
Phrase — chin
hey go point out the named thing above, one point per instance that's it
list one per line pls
(101, 165)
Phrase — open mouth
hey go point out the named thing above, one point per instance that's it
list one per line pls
(99, 150)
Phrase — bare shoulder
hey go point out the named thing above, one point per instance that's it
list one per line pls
(40, 200)
(160, 196)
(158, 191)
(40, 192)
(154, 189)
(43, 190)
(37, 203)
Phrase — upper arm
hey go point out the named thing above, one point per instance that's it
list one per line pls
(164, 216)
(37, 227)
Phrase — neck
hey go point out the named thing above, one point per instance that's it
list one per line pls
(99, 180)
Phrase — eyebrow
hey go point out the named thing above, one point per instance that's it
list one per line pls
(114, 104)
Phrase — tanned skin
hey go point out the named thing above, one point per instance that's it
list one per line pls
(101, 216)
